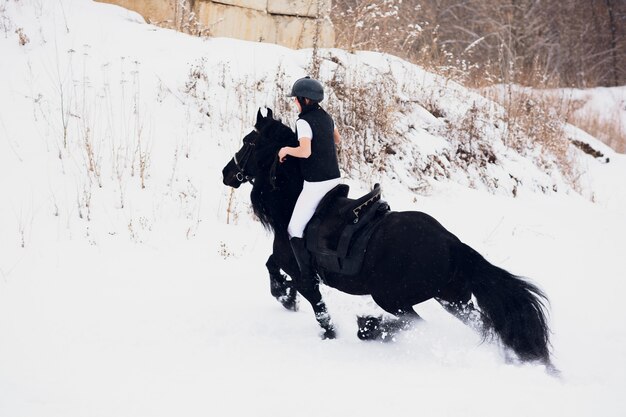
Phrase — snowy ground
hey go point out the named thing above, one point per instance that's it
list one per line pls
(169, 328)
(118, 300)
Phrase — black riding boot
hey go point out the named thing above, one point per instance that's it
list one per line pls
(309, 286)
(308, 281)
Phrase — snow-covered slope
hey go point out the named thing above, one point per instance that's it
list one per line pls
(132, 281)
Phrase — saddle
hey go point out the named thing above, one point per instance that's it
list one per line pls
(338, 233)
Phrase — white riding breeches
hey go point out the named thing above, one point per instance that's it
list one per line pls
(311, 195)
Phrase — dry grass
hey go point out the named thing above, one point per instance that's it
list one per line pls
(537, 121)
(608, 129)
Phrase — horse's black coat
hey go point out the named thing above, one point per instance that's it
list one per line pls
(411, 258)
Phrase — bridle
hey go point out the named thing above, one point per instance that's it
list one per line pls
(249, 143)
(247, 149)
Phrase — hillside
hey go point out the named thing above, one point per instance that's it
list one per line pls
(132, 281)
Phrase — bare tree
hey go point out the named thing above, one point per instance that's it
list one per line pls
(568, 42)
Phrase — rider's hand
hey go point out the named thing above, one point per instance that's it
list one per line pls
(282, 154)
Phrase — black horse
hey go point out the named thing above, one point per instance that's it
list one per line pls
(410, 258)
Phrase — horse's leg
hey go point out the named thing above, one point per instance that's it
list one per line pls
(456, 299)
(465, 311)
(280, 288)
(308, 287)
(373, 328)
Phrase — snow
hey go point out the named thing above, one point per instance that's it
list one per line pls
(118, 300)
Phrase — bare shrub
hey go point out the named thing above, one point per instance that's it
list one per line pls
(22, 38)
(6, 24)
(282, 106)
(83, 201)
(93, 166)
(224, 251)
(383, 25)
(471, 145)
(196, 83)
(364, 111)
(141, 155)
(229, 207)
(537, 121)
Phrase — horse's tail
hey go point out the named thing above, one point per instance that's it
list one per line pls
(512, 308)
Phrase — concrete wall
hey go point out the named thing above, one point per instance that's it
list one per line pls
(290, 23)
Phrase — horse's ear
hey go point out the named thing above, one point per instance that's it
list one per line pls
(261, 120)
(259, 117)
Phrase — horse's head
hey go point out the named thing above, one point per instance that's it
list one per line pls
(242, 167)
(259, 150)
(276, 186)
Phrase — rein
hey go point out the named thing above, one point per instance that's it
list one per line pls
(241, 163)
(273, 174)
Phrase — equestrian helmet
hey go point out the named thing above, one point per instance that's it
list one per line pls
(309, 88)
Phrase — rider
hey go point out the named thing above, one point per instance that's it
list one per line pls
(317, 136)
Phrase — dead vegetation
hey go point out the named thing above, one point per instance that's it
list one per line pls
(482, 42)
(607, 128)
(365, 114)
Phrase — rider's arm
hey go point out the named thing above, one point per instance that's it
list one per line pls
(302, 151)
(336, 136)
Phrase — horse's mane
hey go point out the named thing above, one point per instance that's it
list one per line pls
(276, 186)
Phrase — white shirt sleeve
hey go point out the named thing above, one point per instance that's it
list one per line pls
(304, 129)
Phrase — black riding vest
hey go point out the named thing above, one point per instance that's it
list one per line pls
(322, 164)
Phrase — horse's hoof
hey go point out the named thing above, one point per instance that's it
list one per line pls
(289, 300)
(284, 291)
(369, 328)
(329, 334)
